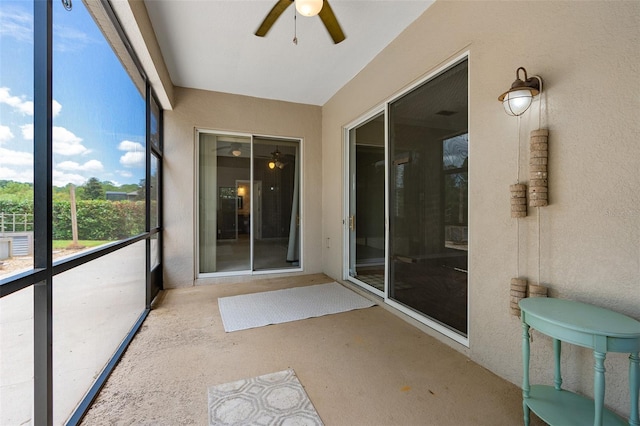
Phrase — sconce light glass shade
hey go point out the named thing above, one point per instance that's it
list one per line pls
(517, 102)
(272, 165)
(309, 7)
(518, 98)
(236, 152)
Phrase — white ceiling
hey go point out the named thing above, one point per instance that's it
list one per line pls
(210, 45)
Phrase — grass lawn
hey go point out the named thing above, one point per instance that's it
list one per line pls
(62, 244)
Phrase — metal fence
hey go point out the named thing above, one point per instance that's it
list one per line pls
(16, 222)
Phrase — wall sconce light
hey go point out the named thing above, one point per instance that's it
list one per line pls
(309, 7)
(518, 98)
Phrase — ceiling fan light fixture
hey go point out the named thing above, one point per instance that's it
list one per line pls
(272, 164)
(309, 7)
(236, 152)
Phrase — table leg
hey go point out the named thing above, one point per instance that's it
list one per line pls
(598, 387)
(525, 371)
(634, 387)
(557, 349)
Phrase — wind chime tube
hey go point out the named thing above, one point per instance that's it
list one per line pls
(538, 174)
(518, 200)
(518, 291)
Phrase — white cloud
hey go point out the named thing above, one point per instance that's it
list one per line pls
(9, 157)
(16, 165)
(16, 23)
(21, 175)
(125, 174)
(27, 132)
(5, 133)
(135, 155)
(133, 159)
(62, 178)
(15, 102)
(89, 166)
(23, 106)
(130, 146)
(55, 105)
(64, 141)
(70, 39)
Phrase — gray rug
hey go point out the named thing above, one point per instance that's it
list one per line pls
(272, 399)
(292, 304)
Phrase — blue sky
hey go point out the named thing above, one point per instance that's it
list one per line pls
(99, 115)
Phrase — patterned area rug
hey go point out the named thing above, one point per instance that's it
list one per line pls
(272, 399)
(292, 304)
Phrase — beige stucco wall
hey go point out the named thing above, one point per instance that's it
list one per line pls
(198, 109)
(587, 54)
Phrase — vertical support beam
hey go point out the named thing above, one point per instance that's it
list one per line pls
(42, 150)
(147, 196)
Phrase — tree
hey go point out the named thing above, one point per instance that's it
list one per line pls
(16, 191)
(142, 190)
(93, 190)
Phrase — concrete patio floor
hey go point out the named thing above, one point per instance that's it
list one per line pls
(364, 367)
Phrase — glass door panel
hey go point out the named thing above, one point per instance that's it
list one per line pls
(428, 178)
(249, 215)
(366, 203)
(224, 237)
(275, 195)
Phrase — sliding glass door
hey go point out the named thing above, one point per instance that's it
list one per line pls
(367, 241)
(249, 213)
(428, 178)
(420, 234)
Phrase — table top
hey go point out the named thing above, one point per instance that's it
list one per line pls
(581, 317)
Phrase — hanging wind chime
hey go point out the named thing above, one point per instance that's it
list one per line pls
(516, 101)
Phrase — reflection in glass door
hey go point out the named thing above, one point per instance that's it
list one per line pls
(366, 204)
(249, 215)
(276, 226)
(224, 239)
(428, 180)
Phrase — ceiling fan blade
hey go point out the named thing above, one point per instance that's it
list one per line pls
(272, 16)
(331, 23)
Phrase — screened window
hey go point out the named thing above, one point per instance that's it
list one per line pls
(75, 174)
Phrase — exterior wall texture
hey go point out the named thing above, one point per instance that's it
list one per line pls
(589, 239)
(198, 109)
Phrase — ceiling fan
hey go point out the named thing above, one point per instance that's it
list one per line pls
(277, 159)
(306, 8)
(233, 148)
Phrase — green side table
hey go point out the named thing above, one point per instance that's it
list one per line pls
(585, 325)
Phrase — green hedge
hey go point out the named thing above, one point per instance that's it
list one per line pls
(97, 219)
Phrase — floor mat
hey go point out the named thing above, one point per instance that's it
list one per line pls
(272, 399)
(292, 304)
